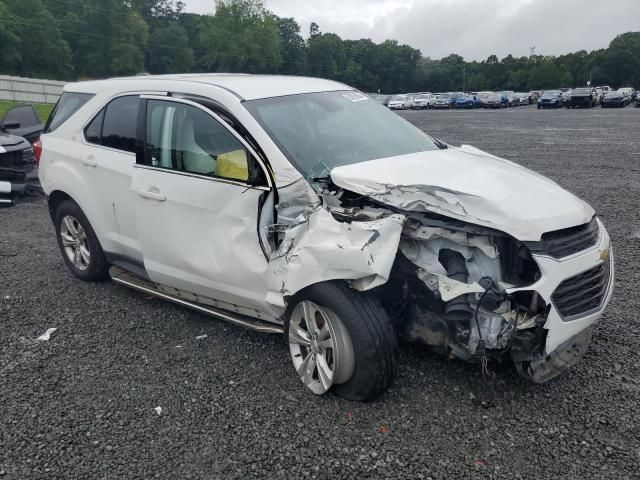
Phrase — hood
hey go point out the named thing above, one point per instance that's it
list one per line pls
(469, 185)
(8, 140)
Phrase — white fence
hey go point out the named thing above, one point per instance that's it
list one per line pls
(29, 90)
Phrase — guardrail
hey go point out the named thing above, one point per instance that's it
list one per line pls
(29, 90)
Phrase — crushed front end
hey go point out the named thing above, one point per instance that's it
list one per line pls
(471, 292)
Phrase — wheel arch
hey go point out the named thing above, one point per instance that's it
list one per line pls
(55, 199)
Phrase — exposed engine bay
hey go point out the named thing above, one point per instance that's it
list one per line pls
(448, 284)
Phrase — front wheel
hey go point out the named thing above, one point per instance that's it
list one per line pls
(341, 340)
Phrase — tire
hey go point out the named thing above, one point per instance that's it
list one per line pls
(91, 268)
(364, 337)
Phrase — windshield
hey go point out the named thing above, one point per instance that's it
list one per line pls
(443, 97)
(483, 95)
(398, 98)
(495, 97)
(551, 93)
(320, 131)
(422, 97)
(581, 91)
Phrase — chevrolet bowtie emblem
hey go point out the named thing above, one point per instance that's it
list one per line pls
(604, 254)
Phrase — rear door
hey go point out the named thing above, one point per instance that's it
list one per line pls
(198, 201)
(107, 155)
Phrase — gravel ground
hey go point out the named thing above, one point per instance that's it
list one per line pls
(82, 405)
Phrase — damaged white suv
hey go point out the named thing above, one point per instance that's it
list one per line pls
(301, 206)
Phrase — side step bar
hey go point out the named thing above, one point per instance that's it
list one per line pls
(132, 280)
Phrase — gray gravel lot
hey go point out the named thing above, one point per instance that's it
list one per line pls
(82, 404)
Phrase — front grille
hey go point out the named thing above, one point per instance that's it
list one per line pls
(584, 292)
(17, 158)
(28, 158)
(562, 243)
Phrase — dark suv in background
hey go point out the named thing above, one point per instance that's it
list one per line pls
(583, 97)
(19, 128)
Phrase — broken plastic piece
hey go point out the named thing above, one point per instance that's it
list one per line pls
(46, 335)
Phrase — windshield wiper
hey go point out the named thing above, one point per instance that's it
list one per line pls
(440, 144)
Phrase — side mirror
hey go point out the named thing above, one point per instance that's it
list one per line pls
(10, 125)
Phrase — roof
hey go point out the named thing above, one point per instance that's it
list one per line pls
(244, 86)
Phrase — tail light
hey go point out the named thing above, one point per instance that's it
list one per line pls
(37, 150)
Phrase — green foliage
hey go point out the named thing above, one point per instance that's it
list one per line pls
(241, 37)
(69, 39)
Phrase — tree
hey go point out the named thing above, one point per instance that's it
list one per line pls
(9, 41)
(314, 30)
(241, 37)
(326, 55)
(292, 47)
(169, 50)
(620, 62)
(42, 51)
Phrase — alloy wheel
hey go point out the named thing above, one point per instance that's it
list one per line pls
(320, 348)
(75, 242)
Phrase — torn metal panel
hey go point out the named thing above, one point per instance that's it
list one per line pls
(296, 202)
(322, 248)
(468, 185)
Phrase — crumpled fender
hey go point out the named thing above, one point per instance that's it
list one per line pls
(322, 248)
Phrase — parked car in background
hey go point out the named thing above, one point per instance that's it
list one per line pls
(605, 89)
(582, 97)
(628, 92)
(300, 207)
(22, 121)
(380, 98)
(424, 101)
(534, 95)
(550, 99)
(467, 101)
(444, 100)
(400, 102)
(614, 99)
(599, 95)
(523, 98)
(17, 167)
(637, 102)
(511, 100)
(495, 100)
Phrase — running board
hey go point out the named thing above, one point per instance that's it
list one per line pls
(123, 277)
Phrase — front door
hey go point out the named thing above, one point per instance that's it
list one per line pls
(197, 206)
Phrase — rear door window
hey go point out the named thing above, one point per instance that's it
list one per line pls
(120, 124)
(115, 126)
(68, 104)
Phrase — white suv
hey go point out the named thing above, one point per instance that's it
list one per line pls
(301, 206)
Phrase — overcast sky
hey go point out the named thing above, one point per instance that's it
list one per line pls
(474, 29)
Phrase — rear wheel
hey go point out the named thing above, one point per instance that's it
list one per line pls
(341, 340)
(78, 243)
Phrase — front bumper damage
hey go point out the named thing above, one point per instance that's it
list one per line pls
(538, 338)
(470, 290)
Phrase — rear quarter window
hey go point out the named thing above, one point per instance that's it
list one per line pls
(68, 104)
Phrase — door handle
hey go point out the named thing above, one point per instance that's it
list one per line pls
(90, 161)
(152, 195)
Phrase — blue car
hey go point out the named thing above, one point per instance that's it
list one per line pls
(467, 101)
(551, 99)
